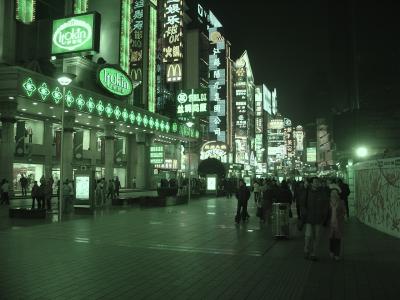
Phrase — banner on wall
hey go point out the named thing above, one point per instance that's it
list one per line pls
(118, 150)
(103, 149)
(20, 139)
(78, 145)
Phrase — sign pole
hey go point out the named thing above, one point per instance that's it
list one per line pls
(61, 195)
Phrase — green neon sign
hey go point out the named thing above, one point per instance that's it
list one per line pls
(157, 155)
(132, 117)
(80, 6)
(25, 10)
(125, 115)
(57, 95)
(44, 91)
(90, 105)
(115, 81)
(79, 101)
(75, 34)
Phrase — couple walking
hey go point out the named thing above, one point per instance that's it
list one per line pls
(322, 206)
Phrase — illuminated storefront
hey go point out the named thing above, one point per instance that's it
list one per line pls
(109, 125)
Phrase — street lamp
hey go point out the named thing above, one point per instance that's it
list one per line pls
(362, 152)
(190, 125)
(64, 79)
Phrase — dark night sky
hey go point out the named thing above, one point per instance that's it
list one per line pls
(303, 48)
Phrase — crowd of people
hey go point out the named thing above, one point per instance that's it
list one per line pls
(106, 191)
(41, 192)
(319, 202)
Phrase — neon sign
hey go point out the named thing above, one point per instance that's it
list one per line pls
(192, 102)
(75, 34)
(115, 81)
(172, 51)
(77, 99)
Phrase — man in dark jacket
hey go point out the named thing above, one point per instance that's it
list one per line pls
(344, 194)
(314, 211)
(243, 196)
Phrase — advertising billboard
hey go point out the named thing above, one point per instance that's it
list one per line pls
(157, 154)
(267, 99)
(240, 100)
(192, 102)
(80, 33)
(172, 39)
(311, 154)
(217, 83)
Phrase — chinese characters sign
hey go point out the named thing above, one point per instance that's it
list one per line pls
(217, 84)
(172, 51)
(157, 155)
(214, 149)
(299, 137)
(289, 141)
(240, 96)
(137, 40)
(192, 102)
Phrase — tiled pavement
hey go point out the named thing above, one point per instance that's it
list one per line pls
(187, 252)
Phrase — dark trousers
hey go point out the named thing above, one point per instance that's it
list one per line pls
(334, 246)
(48, 202)
(5, 198)
(33, 202)
(242, 210)
(298, 210)
(40, 201)
(24, 193)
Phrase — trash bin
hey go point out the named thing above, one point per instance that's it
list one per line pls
(280, 220)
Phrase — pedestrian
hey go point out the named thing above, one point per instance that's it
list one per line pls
(48, 192)
(41, 195)
(111, 190)
(24, 184)
(344, 194)
(134, 182)
(299, 194)
(336, 222)
(242, 196)
(67, 202)
(5, 190)
(285, 196)
(34, 194)
(269, 197)
(42, 180)
(256, 191)
(117, 184)
(99, 193)
(314, 211)
(104, 191)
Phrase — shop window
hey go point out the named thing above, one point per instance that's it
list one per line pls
(33, 133)
(121, 174)
(32, 172)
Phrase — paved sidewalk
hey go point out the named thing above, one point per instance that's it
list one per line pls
(192, 251)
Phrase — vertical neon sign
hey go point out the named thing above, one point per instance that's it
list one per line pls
(151, 95)
(25, 10)
(81, 6)
(125, 35)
